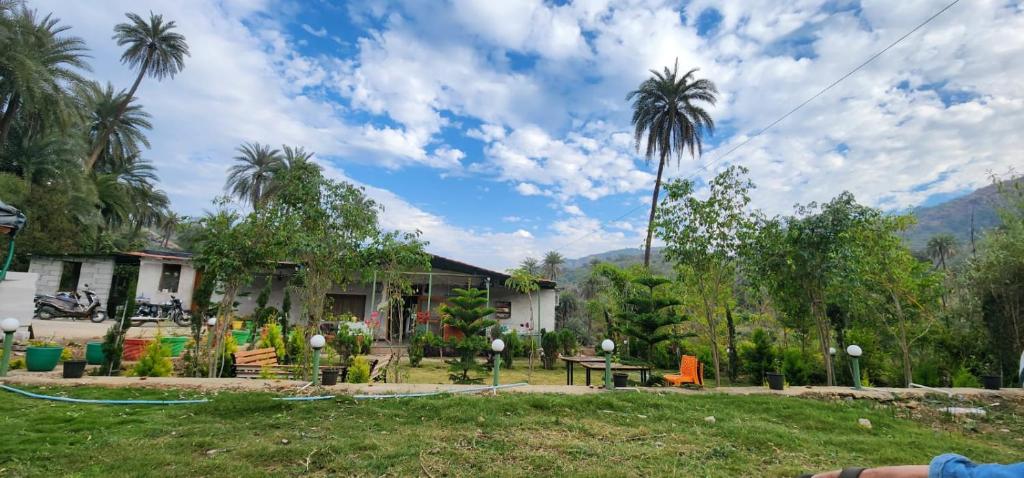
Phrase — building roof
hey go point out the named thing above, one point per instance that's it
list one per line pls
(438, 262)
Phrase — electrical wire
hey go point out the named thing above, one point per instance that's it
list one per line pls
(783, 117)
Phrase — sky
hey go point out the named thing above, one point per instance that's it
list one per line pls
(501, 130)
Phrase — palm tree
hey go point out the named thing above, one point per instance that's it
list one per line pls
(530, 266)
(942, 247)
(37, 65)
(169, 224)
(120, 132)
(41, 158)
(292, 159)
(250, 179)
(553, 264)
(667, 113)
(155, 49)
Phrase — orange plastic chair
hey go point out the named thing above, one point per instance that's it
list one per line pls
(691, 371)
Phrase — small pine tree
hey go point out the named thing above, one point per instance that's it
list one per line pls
(359, 371)
(155, 361)
(466, 313)
(272, 337)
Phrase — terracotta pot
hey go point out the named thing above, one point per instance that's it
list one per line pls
(133, 348)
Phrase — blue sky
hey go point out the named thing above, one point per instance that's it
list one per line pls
(501, 130)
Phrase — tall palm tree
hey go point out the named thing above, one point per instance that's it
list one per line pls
(169, 224)
(250, 179)
(38, 65)
(158, 52)
(942, 247)
(553, 264)
(668, 114)
(531, 266)
(121, 132)
(41, 158)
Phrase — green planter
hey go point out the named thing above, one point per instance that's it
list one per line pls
(176, 344)
(42, 359)
(241, 336)
(94, 353)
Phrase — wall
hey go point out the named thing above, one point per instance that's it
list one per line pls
(16, 293)
(543, 306)
(149, 282)
(98, 272)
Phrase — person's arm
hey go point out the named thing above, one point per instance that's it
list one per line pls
(903, 471)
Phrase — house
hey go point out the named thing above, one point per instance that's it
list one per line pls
(430, 289)
(159, 275)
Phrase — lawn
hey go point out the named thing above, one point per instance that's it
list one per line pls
(614, 434)
(434, 370)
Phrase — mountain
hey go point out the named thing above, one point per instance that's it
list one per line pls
(952, 217)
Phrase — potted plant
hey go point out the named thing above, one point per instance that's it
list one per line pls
(42, 356)
(991, 379)
(329, 376)
(776, 379)
(74, 367)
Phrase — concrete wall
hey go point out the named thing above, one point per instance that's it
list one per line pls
(543, 306)
(16, 293)
(97, 272)
(150, 271)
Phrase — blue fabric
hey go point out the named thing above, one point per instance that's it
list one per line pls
(956, 466)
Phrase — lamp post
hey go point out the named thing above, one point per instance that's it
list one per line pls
(497, 346)
(855, 352)
(317, 342)
(9, 326)
(832, 364)
(607, 345)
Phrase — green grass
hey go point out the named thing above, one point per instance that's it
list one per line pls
(622, 433)
(434, 370)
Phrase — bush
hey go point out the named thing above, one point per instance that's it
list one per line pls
(359, 371)
(963, 378)
(515, 346)
(418, 344)
(568, 342)
(295, 349)
(17, 363)
(798, 368)
(551, 343)
(271, 337)
(155, 361)
(756, 355)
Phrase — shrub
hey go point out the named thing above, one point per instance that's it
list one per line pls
(17, 363)
(756, 355)
(568, 342)
(359, 371)
(551, 343)
(295, 348)
(798, 368)
(272, 337)
(963, 378)
(155, 361)
(515, 346)
(420, 340)
(466, 312)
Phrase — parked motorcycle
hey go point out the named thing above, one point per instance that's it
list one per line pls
(172, 310)
(69, 304)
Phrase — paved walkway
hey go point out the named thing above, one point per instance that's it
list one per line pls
(21, 377)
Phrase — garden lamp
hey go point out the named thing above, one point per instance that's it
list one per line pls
(211, 322)
(832, 364)
(855, 352)
(497, 346)
(608, 346)
(9, 326)
(317, 342)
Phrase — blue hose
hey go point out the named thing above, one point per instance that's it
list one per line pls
(100, 402)
(439, 392)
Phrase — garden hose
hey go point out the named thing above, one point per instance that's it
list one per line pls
(439, 392)
(100, 402)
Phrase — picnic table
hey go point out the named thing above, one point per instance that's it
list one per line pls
(581, 359)
(617, 367)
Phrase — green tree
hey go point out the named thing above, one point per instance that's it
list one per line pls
(941, 248)
(156, 49)
(668, 115)
(553, 265)
(114, 122)
(523, 281)
(250, 178)
(392, 256)
(651, 315)
(703, 240)
(530, 265)
(466, 312)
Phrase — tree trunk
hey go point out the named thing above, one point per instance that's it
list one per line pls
(715, 357)
(654, 208)
(908, 373)
(219, 332)
(101, 141)
(824, 337)
(8, 118)
(733, 357)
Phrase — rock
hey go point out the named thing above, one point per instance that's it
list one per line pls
(284, 441)
(710, 420)
(214, 451)
(964, 412)
(864, 423)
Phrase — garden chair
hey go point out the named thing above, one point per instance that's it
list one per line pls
(691, 371)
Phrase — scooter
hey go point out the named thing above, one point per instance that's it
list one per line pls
(170, 310)
(69, 304)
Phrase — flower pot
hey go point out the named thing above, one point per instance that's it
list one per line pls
(329, 376)
(94, 353)
(74, 368)
(42, 359)
(241, 336)
(133, 348)
(175, 344)
(775, 380)
(236, 324)
(992, 382)
(620, 380)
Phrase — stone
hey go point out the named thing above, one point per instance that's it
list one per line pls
(864, 423)
(710, 420)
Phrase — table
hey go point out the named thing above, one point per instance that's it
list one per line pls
(570, 361)
(643, 369)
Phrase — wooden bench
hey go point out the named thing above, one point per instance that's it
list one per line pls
(260, 363)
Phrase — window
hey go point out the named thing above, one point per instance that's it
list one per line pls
(69, 274)
(348, 304)
(170, 277)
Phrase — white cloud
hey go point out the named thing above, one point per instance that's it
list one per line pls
(573, 210)
(321, 32)
(527, 189)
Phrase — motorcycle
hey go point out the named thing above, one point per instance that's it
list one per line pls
(171, 310)
(69, 304)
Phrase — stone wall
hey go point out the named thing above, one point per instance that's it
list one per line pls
(98, 272)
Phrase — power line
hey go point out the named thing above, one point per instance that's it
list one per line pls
(783, 117)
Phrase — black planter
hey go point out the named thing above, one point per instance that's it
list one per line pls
(775, 380)
(620, 379)
(992, 382)
(329, 377)
(74, 368)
